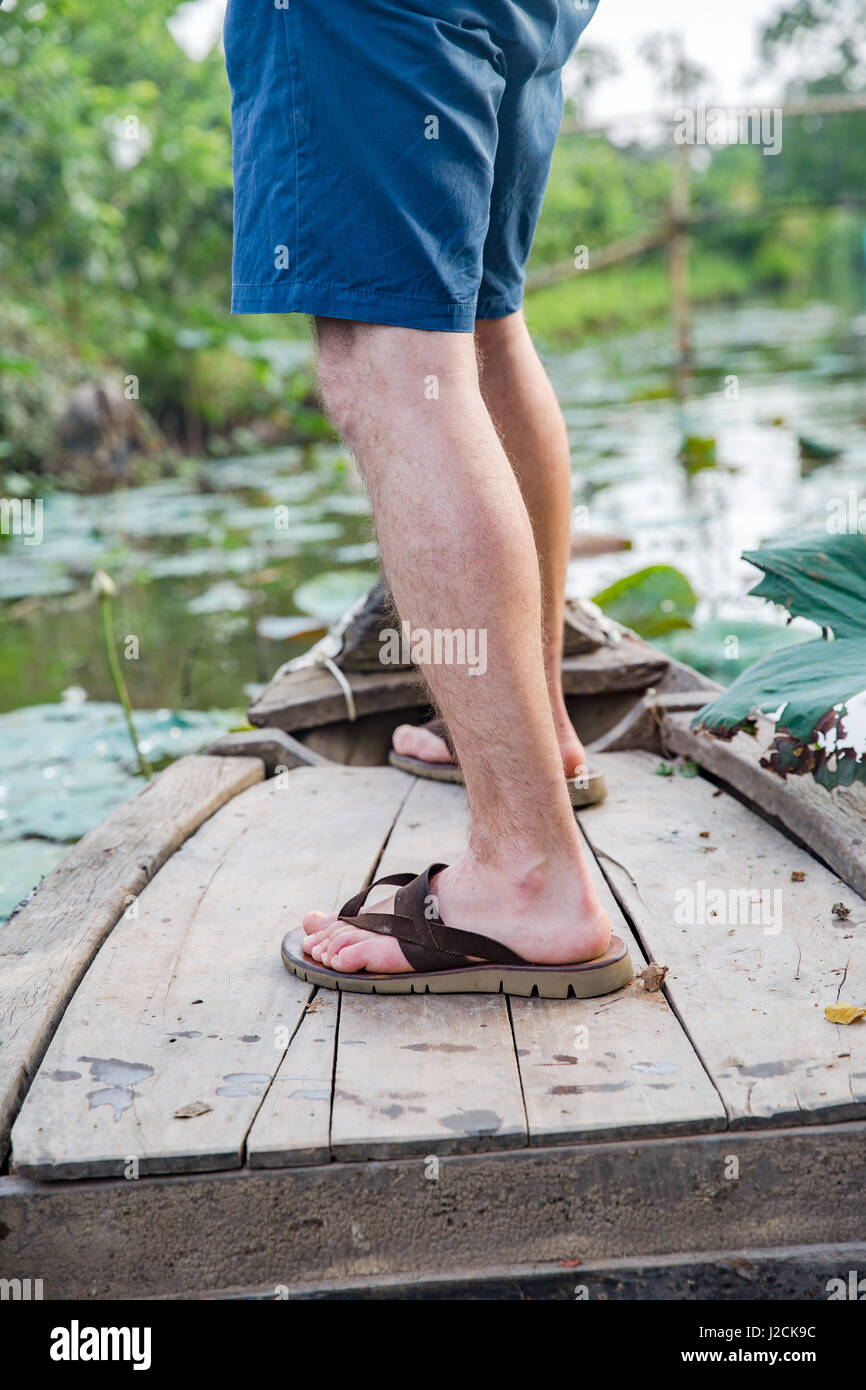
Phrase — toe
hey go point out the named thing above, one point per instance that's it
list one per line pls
(318, 921)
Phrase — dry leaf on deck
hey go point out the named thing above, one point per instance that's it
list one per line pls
(844, 1013)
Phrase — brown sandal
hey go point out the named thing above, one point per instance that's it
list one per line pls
(444, 959)
(585, 790)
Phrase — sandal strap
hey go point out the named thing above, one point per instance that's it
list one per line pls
(428, 943)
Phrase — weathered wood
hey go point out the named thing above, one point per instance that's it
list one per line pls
(46, 947)
(628, 665)
(428, 1074)
(832, 824)
(364, 743)
(679, 677)
(275, 747)
(339, 1222)
(615, 1067)
(188, 1003)
(310, 695)
(750, 996)
(584, 626)
(588, 1068)
(641, 726)
(294, 1123)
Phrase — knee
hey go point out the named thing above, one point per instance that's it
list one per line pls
(339, 359)
(367, 370)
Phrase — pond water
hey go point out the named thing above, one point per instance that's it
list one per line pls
(231, 569)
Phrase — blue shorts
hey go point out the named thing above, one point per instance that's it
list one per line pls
(391, 156)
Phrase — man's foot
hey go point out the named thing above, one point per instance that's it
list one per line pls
(417, 741)
(542, 912)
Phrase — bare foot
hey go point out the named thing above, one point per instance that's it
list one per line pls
(547, 914)
(416, 741)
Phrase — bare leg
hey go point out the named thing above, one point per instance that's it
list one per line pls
(524, 408)
(458, 549)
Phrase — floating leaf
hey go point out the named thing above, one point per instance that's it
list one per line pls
(844, 1013)
(280, 629)
(224, 597)
(651, 601)
(723, 647)
(329, 595)
(697, 453)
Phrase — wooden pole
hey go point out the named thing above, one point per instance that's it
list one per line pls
(678, 265)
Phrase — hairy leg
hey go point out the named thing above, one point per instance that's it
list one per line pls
(523, 406)
(458, 549)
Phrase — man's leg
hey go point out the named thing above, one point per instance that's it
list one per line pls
(524, 408)
(458, 549)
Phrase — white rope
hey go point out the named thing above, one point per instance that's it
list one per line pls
(343, 684)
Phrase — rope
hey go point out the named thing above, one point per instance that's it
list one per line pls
(343, 684)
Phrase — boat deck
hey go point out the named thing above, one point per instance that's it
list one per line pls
(188, 1056)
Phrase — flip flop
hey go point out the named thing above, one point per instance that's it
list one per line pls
(586, 790)
(441, 956)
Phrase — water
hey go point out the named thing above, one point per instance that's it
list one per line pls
(211, 566)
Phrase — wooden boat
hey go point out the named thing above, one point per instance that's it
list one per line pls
(182, 1118)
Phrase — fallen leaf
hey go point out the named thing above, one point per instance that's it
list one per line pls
(653, 976)
(843, 1013)
(195, 1107)
(797, 875)
(704, 834)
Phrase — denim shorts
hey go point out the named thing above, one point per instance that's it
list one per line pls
(390, 156)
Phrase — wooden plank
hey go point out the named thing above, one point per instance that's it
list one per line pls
(749, 984)
(275, 747)
(189, 1003)
(628, 665)
(333, 1223)
(615, 1067)
(294, 1123)
(421, 1073)
(641, 725)
(637, 1074)
(833, 824)
(46, 947)
(310, 696)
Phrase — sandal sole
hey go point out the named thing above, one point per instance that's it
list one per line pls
(604, 975)
(590, 795)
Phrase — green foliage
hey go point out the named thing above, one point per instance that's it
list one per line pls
(116, 205)
(115, 210)
(814, 693)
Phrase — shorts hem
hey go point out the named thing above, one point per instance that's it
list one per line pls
(498, 308)
(303, 297)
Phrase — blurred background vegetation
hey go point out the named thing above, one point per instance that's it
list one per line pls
(115, 209)
(162, 434)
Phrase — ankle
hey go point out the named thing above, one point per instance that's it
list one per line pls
(533, 874)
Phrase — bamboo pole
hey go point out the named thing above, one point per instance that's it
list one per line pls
(678, 265)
